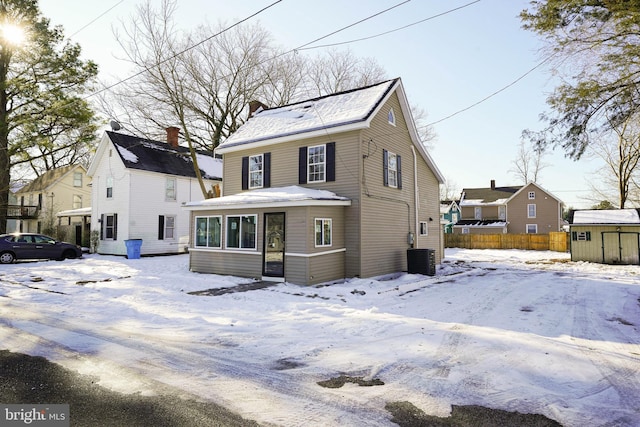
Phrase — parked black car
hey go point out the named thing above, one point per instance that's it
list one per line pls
(35, 246)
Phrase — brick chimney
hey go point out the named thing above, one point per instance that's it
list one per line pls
(172, 136)
(255, 106)
(493, 184)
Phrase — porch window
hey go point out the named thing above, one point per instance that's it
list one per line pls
(170, 189)
(241, 231)
(532, 228)
(208, 231)
(531, 210)
(502, 212)
(323, 232)
(109, 187)
(391, 169)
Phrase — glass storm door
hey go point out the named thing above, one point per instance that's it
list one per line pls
(273, 262)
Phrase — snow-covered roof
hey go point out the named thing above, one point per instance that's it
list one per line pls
(317, 114)
(282, 196)
(609, 216)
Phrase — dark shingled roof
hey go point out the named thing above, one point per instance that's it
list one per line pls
(156, 156)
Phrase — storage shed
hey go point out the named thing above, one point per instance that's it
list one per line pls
(606, 236)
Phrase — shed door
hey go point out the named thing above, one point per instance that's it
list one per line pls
(274, 238)
(620, 248)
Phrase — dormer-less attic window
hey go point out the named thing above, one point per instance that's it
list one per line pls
(392, 117)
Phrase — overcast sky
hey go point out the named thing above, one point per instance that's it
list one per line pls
(447, 64)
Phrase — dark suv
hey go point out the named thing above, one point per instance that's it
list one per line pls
(35, 246)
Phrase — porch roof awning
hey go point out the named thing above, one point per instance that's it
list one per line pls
(75, 212)
(272, 197)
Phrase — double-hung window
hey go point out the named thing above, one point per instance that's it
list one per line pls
(391, 169)
(256, 171)
(241, 231)
(109, 187)
(532, 228)
(323, 232)
(316, 164)
(109, 226)
(77, 201)
(77, 179)
(170, 189)
(208, 231)
(166, 227)
(531, 210)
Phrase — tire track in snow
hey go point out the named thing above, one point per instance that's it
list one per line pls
(283, 397)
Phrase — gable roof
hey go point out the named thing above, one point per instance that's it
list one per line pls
(48, 179)
(496, 195)
(155, 156)
(339, 112)
(326, 114)
(487, 196)
(606, 216)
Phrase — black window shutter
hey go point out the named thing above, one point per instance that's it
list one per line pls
(245, 173)
(115, 226)
(574, 235)
(385, 167)
(302, 166)
(399, 166)
(102, 226)
(331, 161)
(588, 235)
(160, 227)
(266, 177)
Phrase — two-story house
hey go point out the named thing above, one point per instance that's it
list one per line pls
(329, 188)
(449, 215)
(511, 209)
(56, 190)
(139, 186)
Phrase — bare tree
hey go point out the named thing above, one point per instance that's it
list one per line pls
(620, 150)
(528, 163)
(449, 190)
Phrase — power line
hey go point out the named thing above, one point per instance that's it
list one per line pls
(493, 94)
(390, 31)
(98, 17)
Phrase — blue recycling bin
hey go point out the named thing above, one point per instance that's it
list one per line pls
(133, 248)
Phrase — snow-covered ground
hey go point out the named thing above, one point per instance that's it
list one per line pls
(515, 330)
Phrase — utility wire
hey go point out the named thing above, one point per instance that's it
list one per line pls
(98, 17)
(493, 94)
(391, 31)
(145, 69)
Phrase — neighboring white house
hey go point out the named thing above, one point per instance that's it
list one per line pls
(139, 186)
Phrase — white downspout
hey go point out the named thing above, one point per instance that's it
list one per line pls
(416, 198)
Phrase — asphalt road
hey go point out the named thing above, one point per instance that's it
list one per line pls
(35, 380)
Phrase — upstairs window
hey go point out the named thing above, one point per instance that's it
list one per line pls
(391, 169)
(317, 163)
(531, 210)
(109, 187)
(391, 117)
(77, 179)
(532, 195)
(256, 171)
(170, 189)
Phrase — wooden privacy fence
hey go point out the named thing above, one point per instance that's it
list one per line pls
(558, 241)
